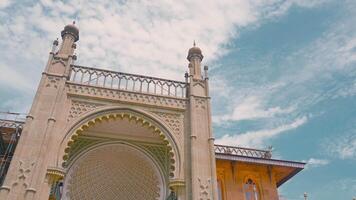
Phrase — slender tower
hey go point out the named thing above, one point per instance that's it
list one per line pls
(28, 176)
(203, 170)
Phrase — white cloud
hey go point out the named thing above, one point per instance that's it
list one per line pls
(4, 3)
(320, 62)
(258, 138)
(146, 37)
(308, 72)
(252, 108)
(309, 75)
(346, 185)
(220, 87)
(314, 162)
(342, 147)
(19, 83)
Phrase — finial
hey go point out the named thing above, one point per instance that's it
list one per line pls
(74, 22)
(55, 42)
(206, 72)
(194, 43)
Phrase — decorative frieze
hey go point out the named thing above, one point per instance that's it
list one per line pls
(173, 120)
(11, 123)
(80, 107)
(126, 96)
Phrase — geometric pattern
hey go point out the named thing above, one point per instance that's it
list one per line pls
(81, 144)
(115, 171)
(79, 107)
(173, 120)
(159, 152)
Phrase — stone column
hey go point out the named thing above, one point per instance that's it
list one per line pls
(178, 187)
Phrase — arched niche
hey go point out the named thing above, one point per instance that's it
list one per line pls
(115, 115)
(114, 170)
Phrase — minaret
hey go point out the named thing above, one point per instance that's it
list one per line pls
(195, 57)
(201, 148)
(28, 175)
(70, 35)
(60, 61)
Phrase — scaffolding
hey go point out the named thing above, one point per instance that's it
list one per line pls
(10, 131)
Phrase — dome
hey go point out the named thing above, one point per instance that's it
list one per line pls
(72, 30)
(194, 51)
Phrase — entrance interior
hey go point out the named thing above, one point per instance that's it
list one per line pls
(114, 171)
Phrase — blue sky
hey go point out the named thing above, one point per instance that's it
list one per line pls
(283, 72)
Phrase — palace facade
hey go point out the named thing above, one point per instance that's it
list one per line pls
(94, 134)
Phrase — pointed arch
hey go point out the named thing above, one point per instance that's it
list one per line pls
(78, 128)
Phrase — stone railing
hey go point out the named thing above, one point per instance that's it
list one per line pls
(11, 124)
(12, 120)
(240, 151)
(128, 82)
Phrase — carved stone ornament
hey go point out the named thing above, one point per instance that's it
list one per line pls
(52, 81)
(59, 59)
(80, 107)
(204, 189)
(54, 174)
(173, 120)
(24, 170)
(200, 103)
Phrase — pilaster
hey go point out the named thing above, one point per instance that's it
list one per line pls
(203, 169)
(27, 172)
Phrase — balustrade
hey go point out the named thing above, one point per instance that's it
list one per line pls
(240, 151)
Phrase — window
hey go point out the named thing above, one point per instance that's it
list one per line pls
(251, 190)
(220, 190)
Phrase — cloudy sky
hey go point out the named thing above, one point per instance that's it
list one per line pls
(283, 72)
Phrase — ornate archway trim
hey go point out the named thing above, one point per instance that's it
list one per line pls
(121, 115)
(54, 174)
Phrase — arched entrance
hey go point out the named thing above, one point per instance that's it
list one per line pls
(126, 124)
(114, 171)
(118, 153)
